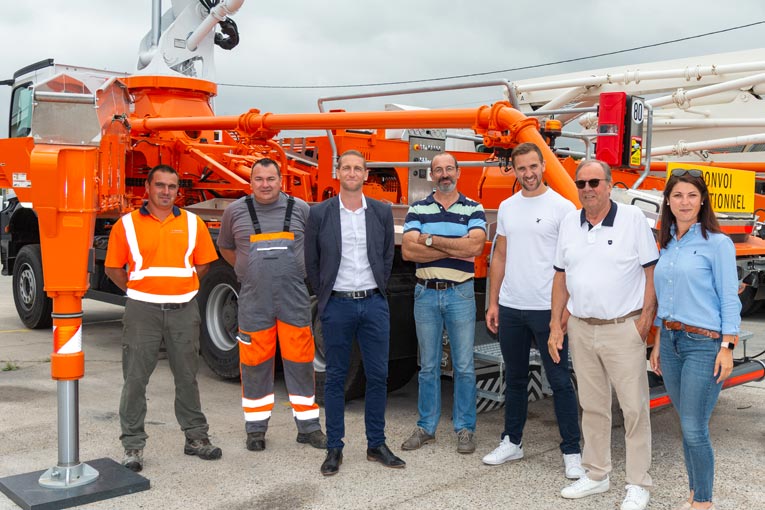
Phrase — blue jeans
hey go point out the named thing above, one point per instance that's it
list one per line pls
(453, 308)
(517, 328)
(687, 365)
(368, 321)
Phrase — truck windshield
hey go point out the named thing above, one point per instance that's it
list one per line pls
(21, 111)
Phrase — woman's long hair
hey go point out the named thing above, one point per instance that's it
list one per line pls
(706, 215)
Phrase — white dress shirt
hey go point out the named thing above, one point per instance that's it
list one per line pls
(354, 272)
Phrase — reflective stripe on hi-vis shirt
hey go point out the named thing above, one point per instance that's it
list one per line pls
(140, 272)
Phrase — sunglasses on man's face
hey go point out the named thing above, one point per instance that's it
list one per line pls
(682, 171)
(594, 183)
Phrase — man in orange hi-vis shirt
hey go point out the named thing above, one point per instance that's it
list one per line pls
(166, 251)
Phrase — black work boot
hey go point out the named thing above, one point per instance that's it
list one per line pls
(317, 439)
(256, 441)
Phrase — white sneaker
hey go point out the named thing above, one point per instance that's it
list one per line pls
(504, 452)
(573, 463)
(636, 498)
(585, 487)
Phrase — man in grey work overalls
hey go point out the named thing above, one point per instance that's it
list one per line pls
(261, 236)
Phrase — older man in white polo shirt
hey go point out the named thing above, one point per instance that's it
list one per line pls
(604, 265)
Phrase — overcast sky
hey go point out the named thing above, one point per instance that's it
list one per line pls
(331, 42)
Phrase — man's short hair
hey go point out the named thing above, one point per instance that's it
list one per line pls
(526, 148)
(161, 168)
(351, 152)
(603, 165)
(266, 162)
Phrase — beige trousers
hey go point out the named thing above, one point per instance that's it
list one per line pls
(607, 356)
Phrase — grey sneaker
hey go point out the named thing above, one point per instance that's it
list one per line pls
(465, 441)
(202, 448)
(133, 460)
(418, 438)
(317, 439)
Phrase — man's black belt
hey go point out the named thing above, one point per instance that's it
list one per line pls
(440, 285)
(168, 306)
(355, 294)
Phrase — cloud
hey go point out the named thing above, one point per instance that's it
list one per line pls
(295, 42)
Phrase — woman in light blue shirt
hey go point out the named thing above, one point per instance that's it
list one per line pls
(698, 320)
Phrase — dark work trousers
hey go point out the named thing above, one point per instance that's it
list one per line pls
(517, 329)
(144, 327)
(367, 320)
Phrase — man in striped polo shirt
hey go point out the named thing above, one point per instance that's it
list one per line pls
(443, 233)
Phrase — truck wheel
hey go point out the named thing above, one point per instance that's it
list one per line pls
(32, 304)
(355, 382)
(217, 299)
(748, 304)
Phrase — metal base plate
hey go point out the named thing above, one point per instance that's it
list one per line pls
(114, 480)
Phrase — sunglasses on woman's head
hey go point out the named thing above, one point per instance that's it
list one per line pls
(682, 171)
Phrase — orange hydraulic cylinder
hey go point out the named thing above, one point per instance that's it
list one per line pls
(67, 359)
(64, 196)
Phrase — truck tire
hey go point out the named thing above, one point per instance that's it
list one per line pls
(748, 304)
(32, 304)
(400, 372)
(217, 300)
(355, 382)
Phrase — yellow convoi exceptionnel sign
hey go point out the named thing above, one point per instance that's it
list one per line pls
(730, 190)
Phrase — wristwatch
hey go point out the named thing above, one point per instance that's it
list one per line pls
(429, 241)
(728, 345)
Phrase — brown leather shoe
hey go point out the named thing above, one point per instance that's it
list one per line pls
(202, 448)
(418, 438)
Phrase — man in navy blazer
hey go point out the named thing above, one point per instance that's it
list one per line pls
(349, 256)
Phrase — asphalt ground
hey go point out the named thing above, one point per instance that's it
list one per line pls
(286, 475)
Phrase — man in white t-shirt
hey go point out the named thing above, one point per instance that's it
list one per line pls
(519, 306)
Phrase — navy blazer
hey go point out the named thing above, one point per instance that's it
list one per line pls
(323, 245)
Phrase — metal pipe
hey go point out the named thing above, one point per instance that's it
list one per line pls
(683, 97)
(471, 138)
(68, 423)
(542, 113)
(689, 73)
(575, 154)
(218, 168)
(709, 123)
(682, 148)
(417, 90)
(156, 21)
(563, 99)
(410, 164)
(64, 97)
